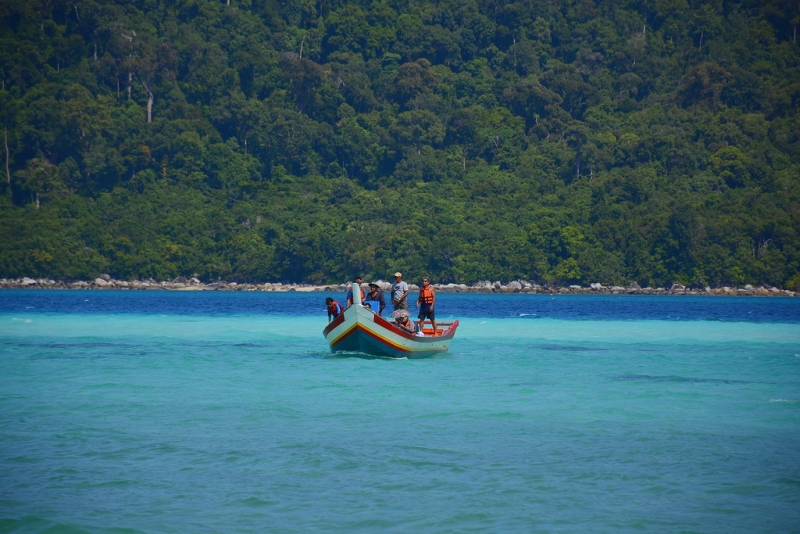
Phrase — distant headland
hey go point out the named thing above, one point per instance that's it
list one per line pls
(516, 286)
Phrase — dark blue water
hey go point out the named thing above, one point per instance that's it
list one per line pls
(568, 307)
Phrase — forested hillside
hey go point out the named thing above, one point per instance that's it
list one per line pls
(568, 141)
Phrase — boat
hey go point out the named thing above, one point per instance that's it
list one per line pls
(359, 330)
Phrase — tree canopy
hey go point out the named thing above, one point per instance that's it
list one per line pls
(309, 141)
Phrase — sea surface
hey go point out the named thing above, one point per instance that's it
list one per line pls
(156, 411)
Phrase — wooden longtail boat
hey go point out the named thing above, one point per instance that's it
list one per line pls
(359, 330)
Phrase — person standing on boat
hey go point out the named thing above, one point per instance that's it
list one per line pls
(399, 292)
(376, 295)
(334, 309)
(425, 302)
(349, 297)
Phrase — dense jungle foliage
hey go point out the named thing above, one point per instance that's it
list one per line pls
(568, 141)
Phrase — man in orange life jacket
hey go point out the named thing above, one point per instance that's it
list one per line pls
(334, 308)
(349, 297)
(425, 302)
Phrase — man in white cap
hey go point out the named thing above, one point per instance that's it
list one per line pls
(399, 292)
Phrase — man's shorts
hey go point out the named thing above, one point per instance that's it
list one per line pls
(425, 312)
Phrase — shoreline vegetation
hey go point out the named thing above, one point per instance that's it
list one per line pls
(565, 142)
(517, 286)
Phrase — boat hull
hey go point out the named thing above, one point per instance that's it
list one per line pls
(361, 331)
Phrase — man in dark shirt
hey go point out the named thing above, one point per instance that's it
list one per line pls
(376, 295)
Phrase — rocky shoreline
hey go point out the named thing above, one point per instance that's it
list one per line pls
(516, 286)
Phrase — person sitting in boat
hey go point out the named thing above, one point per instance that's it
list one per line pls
(405, 324)
(334, 309)
(349, 297)
(376, 295)
(425, 302)
(368, 306)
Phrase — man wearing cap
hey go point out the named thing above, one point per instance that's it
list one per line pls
(376, 295)
(399, 292)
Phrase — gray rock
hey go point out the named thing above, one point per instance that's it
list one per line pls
(514, 286)
(575, 287)
(100, 282)
(28, 282)
(105, 277)
(677, 287)
(748, 287)
(634, 285)
(596, 286)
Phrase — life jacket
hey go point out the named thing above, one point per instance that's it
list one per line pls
(334, 308)
(362, 294)
(426, 295)
(412, 328)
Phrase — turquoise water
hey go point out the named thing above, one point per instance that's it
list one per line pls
(212, 412)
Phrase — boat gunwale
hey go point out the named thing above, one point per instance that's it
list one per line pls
(383, 323)
(354, 324)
